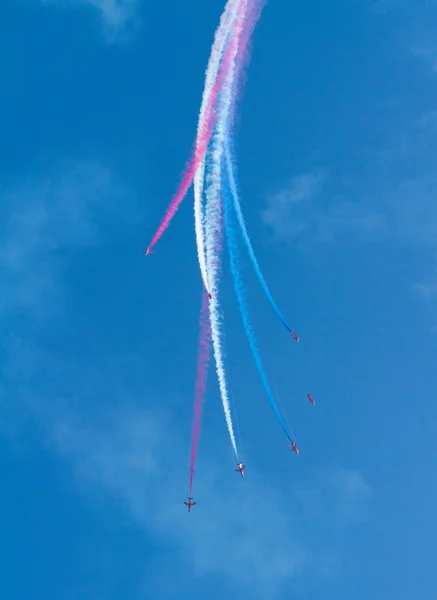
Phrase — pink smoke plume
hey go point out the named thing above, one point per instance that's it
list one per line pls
(202, 375)
(200, 147)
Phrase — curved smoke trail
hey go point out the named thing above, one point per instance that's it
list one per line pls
(240, 293)
(200, 388)
(201, 145)
(245, 235)
(220, 39)
(242, 61)
(187, 179)
(213, 220)
(254, 13)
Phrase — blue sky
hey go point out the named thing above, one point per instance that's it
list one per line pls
(336, 143)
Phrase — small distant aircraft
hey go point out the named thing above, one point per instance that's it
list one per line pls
(209, 296)
(240, 468)
(311, 399)
(147, 252)
(295, 336)
(294, 447)
(189, 504)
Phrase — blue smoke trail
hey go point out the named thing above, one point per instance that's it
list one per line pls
(232, 243)
(245, 235)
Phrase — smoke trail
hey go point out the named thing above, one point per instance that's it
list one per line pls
(213, 221)
(245, 235)
(202, 374)
(254, 13)
(240, 293)
(220, 39)
(242, 59)
(199, 153)
(201, 146)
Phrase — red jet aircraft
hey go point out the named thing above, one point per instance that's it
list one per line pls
(189, 503)
(294, 447)
(295, 336)
(240, 469)
(147, 252)
(311, 399)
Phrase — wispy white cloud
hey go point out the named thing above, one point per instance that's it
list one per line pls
(304, 210)
(427, 290)
(256, 535)
(41, 221)
(397, 207)
(317, 209)
(130, 458)
(119, 16)
(247, 540)
(278, 213)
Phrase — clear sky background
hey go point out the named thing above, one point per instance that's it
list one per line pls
(337, 151)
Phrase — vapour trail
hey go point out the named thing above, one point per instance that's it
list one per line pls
(202, 375)
(241, 222)
(200, 149)
(220, 39)
(213, 220)
(241, 297)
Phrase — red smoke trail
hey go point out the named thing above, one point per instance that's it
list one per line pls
(200, 149)
(190, 171)
(202, 374)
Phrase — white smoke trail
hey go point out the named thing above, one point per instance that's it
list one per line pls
(213, 221)
(220, 39)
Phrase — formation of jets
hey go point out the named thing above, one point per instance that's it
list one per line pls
(240, 467)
